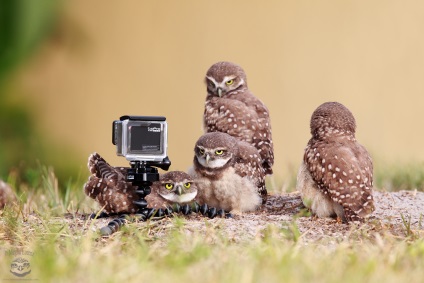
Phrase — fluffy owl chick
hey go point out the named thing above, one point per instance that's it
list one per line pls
(228, 173)
(336, 176)
(231, 108)
(172, 187)
(108, 186)
(7, 196)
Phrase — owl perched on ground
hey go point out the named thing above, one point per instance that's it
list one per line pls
(172, 187)
(336, 176)
(7, 196)
(108, 186)
(228, 173)
(231, 108)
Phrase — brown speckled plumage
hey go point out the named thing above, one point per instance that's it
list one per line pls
(231, 108)
(336, 177)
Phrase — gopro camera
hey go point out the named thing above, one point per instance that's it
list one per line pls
(141, 138)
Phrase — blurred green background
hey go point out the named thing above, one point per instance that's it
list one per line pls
(69, 68)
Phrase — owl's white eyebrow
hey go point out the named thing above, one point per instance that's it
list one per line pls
(227, 78)
(212, 80)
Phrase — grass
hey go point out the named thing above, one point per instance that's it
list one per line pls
(169, 251)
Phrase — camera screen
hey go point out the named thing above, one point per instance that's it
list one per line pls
(145, 138)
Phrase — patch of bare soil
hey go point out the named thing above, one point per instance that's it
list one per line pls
(397, 213)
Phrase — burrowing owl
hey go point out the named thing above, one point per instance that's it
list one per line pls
(7, 196)
(172, 187)
(336, 176)
(108, 186)
(231, 108)
(228, 173)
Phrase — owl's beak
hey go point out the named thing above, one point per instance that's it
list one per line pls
(207, 158)
(179, 190)
(219, 91)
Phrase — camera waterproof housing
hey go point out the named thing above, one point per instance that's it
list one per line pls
(141, 138)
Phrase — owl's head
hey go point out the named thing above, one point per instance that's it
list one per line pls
(332, 117)
(223, 78)
(215, 150)
(176, 186)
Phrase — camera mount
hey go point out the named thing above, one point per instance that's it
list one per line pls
(142, 174)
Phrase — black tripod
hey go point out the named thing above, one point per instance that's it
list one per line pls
(142, 174)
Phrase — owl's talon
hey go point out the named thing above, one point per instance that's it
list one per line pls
(228, 215)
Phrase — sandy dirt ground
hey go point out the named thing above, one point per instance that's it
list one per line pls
(399, 214)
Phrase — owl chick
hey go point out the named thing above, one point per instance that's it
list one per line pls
(336, 176)
(231, 108)
(172, 187)
(228, 173)
(108, 186)
(7, 196)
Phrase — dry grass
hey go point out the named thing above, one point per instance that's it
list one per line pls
(273, 245)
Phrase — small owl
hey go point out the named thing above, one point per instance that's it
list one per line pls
(231, 108)
(336, 176)
(228, 173)
(172, 187)
(7, 196)
(108, 186)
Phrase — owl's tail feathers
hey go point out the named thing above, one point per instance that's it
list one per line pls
(361, 211)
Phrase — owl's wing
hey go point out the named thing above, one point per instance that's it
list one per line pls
(344, 173)
(249, 164)
(262, 138)
(108, 186)
(230, 116)
(101, 169)
(115, 197)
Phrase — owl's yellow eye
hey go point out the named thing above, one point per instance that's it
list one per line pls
(187, 185)
(219, 152)
(201, 151)
(229, 82)
(169, 186)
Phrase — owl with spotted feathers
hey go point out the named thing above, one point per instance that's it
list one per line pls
(108, 186)
(336, 176)
(228, 173)
(231, 108)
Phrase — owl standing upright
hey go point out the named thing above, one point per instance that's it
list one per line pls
(108, 186)
(336, 176)
(231, 108)
(228, 173)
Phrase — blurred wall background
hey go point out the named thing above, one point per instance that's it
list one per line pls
(104, 59)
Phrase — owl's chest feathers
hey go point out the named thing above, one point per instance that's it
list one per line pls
(212, 173)
(230, 192)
